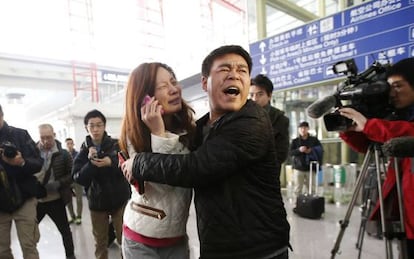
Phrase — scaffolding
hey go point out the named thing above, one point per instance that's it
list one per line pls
(150, 26)
(81, 27)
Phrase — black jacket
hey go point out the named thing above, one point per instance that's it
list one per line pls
(280, 125)
(24, 176)
(240, 212)
(61, 166)
(300, 160)
(107, 188)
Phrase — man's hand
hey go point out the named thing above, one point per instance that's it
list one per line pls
(16, 161)
(102, 162)
(93, 153)
(303, 149)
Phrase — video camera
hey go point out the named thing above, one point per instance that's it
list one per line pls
(9, 149)
(367, 92)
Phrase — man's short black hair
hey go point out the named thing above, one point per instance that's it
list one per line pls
(404, 68)
(1, 110)
(263, 82)
(221, 51)
(93, 114)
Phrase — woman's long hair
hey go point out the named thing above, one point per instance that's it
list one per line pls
(142, 82)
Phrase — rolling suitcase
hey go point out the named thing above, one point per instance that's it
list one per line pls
(311, 205)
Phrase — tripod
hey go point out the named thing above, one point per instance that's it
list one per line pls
(374, 148)
(368, 200)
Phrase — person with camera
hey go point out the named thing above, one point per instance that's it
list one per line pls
(304, 149)
(19, 161)
(96, 168)
(365, 131)
(57, 179)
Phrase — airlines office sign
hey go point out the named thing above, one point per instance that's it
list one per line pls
(379, 30)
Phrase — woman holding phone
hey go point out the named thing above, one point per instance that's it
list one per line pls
(156, 119)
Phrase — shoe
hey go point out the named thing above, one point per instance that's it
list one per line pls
(78, 220)
(294, 210)
(71, 221)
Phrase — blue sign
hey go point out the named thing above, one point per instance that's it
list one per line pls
(380, 30)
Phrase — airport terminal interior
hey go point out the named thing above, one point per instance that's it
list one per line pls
(60, 59)
(310, 239)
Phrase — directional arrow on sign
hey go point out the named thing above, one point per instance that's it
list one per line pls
(263, 60)
(262, 46)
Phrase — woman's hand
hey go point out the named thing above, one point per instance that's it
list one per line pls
(126, 168)
(358, 120)
(151, 114)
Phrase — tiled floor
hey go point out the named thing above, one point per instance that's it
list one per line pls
(311, 239)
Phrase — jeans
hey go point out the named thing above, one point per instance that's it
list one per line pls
(133, 250)
(27, 231)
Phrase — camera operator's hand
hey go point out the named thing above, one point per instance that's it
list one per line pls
(18, 160)
(358, 120)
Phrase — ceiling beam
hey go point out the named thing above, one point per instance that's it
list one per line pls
(293, 10)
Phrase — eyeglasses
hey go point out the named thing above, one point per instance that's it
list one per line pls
(98, 126)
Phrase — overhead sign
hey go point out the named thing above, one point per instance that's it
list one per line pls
(380, 30)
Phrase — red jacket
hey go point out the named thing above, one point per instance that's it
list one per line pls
(378, 130)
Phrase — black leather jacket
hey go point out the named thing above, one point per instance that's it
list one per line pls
(24, 175)
(107, 188)
(240, 212)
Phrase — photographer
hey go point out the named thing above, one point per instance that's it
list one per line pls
(363, 131)
(96, 168)
(19, 161)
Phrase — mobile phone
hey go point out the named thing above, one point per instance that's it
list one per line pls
(122, 157)
(139, 185)
(147, 99)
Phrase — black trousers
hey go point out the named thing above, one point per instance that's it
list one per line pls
(410, 248)
(57, 212)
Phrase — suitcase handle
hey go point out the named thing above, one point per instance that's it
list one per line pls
(311, 176)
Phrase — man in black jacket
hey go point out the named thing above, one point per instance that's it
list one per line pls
(261, 90)
(56, 176)
(19, 161)
(96, 168)
(304, 149)
(240, 212)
